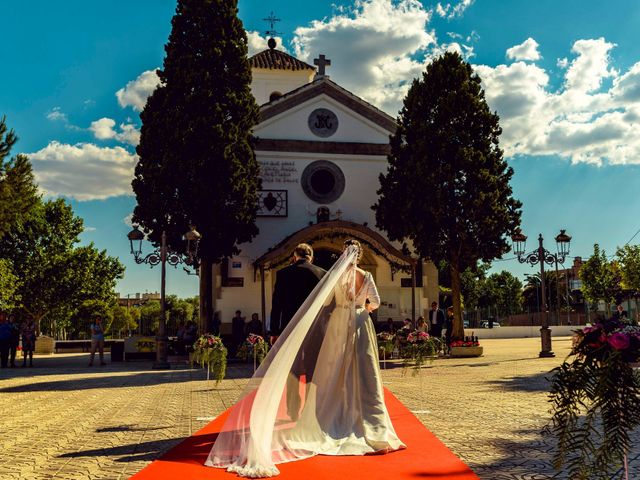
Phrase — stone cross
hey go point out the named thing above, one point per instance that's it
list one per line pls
(321, 62)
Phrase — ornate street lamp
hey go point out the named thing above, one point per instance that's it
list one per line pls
(163, 256)
(542, 256)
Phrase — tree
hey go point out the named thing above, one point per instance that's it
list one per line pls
(56, 276)
(447, 185)
(18, 190)
(197, 165)
(9, 284)
(123, 320)
(601, 279)
(508, 293)
(629, 257)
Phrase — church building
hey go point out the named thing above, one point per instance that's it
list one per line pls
(321, 150)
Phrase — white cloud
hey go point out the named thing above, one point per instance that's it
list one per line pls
(563, 62)
(90, 229)
(103, 129)
(136, 92)
(527, 50)
(128, 220)
(83, 171)
(258, 43)
(451, 10)
(581, 121)
(57, 115)
(375, 48)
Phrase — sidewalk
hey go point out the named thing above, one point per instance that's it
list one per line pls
(67, 420)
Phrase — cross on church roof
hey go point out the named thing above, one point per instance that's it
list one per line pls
(321, 62)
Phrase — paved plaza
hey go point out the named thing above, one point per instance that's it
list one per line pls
(65, 420)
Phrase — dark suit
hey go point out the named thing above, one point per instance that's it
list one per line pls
(293, 285)
(436, 322)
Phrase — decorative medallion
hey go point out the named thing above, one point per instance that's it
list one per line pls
(272, 203)
(323, 122)
(323, 181)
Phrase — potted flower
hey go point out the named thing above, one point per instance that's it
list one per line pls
(420, 348)
(386, 344)
(595, 397)
(469, 347)
(209, 351)
(254, 347)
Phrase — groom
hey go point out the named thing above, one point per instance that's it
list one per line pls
(294, 283)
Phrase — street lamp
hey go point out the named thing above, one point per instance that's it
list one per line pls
(542, 256)
(163, 256)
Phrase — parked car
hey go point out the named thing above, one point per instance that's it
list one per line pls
(485, 324)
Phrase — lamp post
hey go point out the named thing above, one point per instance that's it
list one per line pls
(163, 256)
(542, 256)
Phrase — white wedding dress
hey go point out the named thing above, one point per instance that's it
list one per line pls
(319, 391)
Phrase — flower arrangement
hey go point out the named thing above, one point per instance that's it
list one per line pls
(420, 348)
(254, 346)
(595, 400)
(209, 351)
(467, 342)
(386, 342)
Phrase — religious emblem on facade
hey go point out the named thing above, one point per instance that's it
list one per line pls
(272, 203)
(323, 122)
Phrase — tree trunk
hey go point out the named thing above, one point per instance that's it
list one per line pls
(458, 326)
(206, 295)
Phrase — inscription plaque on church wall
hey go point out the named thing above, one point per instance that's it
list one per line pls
(278, 171)
(272, 203)
(323, 122)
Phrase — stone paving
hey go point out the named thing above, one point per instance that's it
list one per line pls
(65, 420)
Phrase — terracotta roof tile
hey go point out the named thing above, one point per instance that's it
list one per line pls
(277, 60)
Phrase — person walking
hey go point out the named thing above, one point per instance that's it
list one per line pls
(97, 341)
(15, 340)
(448, 329)
(28, 341)
(5, 340)
(436, 320)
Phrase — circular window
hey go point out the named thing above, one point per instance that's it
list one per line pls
(323, 181)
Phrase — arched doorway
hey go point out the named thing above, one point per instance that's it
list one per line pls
(325, 257)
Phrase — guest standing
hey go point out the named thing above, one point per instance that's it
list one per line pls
(391, 328)
(421, 325)
(448, 328)
(255, 326)
(237, 331)
(5, 340)
(15, 340)
(28, 341)
(436, 320)
(97, 341)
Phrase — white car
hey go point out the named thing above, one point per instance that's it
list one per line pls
(485, 324)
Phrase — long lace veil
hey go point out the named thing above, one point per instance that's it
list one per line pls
(297, 400)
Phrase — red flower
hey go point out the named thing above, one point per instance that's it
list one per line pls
(618, 341)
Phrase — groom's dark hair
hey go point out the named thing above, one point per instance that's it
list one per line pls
(304, 250)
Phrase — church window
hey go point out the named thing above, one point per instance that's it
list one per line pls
(323, 181)
(274, 96)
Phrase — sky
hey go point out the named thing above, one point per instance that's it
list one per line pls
(564, 78)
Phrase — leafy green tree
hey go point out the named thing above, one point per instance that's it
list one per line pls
(629, 257)
(9, 285)
(506, 292)
(447, 186)
(197, 165)
(56, 277)
(601, 279)
(18, 190)
(149, 317)
(123, 320)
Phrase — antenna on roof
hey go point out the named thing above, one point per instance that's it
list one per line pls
(272, 20)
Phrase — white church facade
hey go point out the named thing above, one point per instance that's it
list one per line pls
(321, 150)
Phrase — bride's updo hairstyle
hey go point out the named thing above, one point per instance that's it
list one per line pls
(356, 244)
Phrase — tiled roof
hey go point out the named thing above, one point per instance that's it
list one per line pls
(277, 60)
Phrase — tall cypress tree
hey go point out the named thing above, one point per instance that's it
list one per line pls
(197, 165)
(447, 186)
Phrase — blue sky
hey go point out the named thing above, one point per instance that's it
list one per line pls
(564, 77)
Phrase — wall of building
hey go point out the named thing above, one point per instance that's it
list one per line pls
(265, 82)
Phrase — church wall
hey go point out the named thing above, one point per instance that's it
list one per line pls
(265, 82)
(293, 124)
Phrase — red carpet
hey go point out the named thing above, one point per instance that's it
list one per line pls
(426, 457)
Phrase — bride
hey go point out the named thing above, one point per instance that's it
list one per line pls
(327, 361)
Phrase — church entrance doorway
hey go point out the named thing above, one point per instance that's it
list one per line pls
(325, 258)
